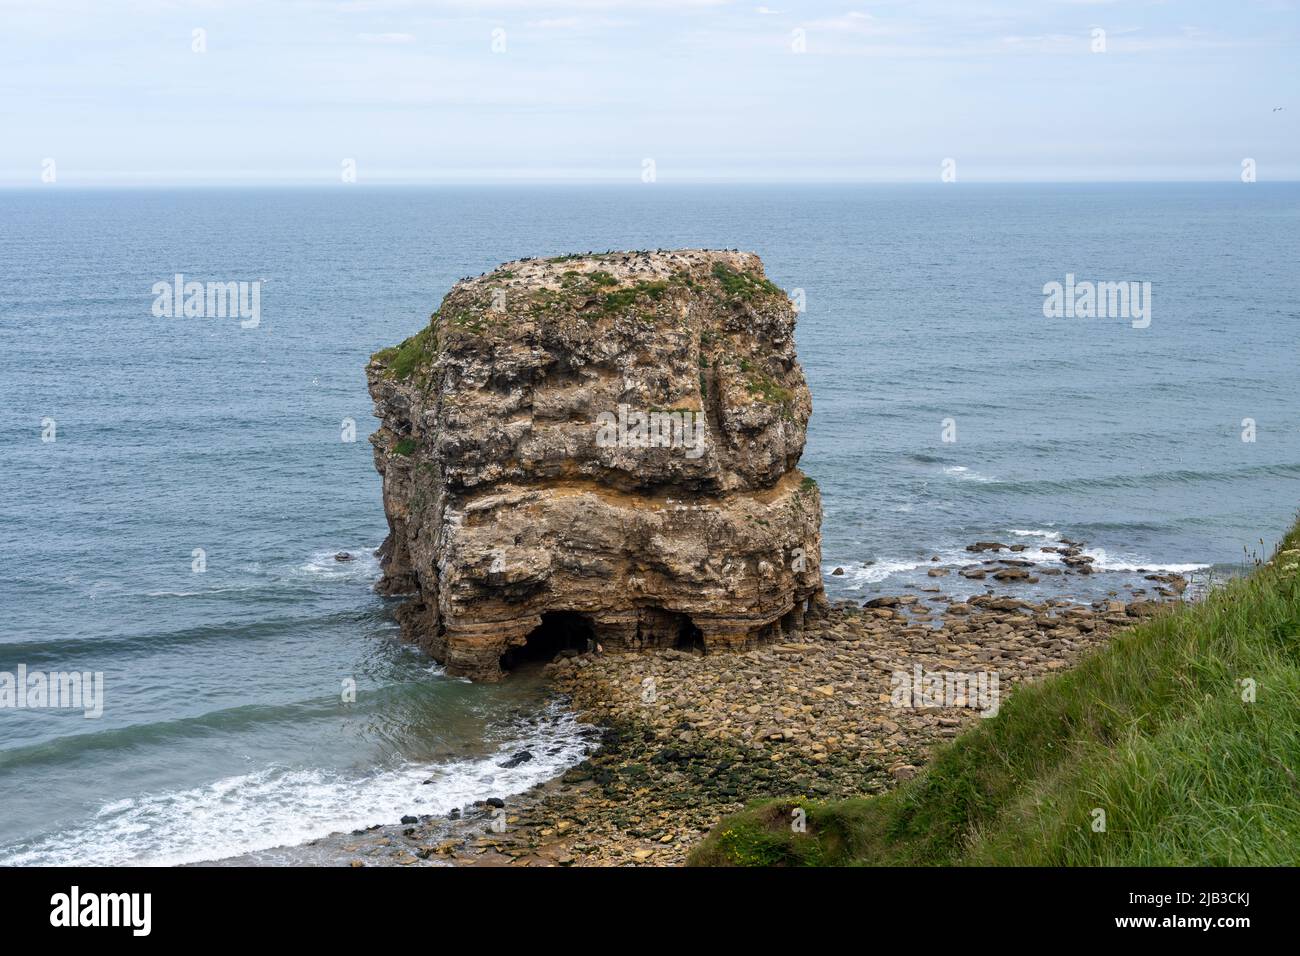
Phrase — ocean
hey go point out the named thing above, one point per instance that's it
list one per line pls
(178, 532)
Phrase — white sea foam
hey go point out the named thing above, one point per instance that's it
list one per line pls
(285, 807)
(1103, 562)
(962, 473)
(362, 566)
(1101, 559)
(856, 576)
(201, 592)
(1035, 533)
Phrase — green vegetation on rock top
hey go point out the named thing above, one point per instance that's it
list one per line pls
(625, 297)
(743, 285)
(402, 360)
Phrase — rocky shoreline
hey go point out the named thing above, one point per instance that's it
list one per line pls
(681, 739)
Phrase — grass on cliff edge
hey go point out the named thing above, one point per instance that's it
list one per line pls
(403, 359)
(1152, 729)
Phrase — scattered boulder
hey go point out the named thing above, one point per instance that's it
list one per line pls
(1142, 608)
(1176, 582)
(994, 602)
(522, 757)
(1011, 574)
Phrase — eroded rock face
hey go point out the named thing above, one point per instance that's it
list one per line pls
(607, 440)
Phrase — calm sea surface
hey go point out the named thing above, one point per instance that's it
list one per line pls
(224, 729)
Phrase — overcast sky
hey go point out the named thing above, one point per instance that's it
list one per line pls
(588, 90)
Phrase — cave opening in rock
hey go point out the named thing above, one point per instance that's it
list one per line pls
(559, 631)
(689, 637)
(658, 627)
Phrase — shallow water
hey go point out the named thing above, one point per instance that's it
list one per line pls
(224, 729)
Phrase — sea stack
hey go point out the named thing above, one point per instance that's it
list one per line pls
(598, 450)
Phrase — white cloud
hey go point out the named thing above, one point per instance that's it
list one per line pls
(573, 24)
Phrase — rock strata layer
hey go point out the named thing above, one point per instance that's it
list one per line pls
(598, 450)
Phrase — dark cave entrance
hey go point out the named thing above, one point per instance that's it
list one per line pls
(559, 631)
(689, 637)
(658, 627)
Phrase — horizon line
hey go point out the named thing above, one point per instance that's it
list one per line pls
(12, 186)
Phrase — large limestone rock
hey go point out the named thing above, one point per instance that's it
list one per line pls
(598, 447)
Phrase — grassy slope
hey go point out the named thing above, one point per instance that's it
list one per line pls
(1152, 729)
